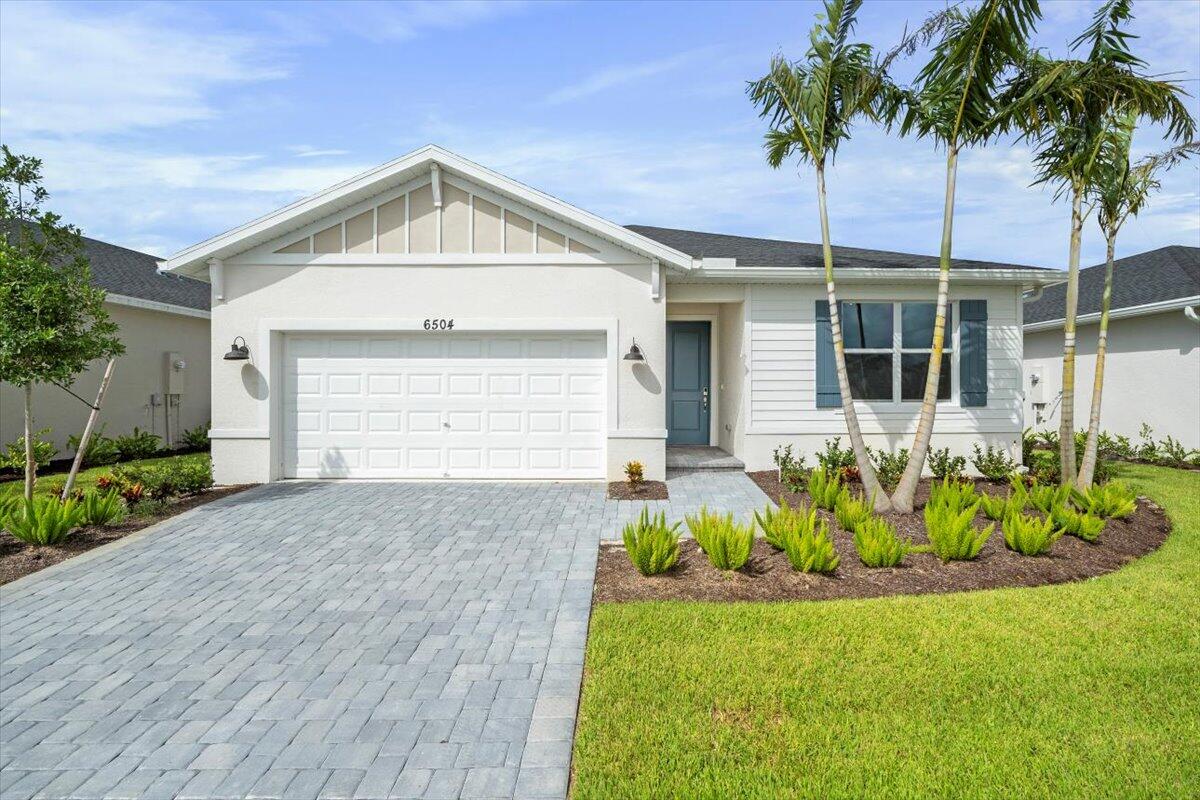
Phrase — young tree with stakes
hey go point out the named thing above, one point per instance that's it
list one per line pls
(811, 105)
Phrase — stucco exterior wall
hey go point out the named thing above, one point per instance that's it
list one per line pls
(1151, 375)
(261, 301)
(141, 372)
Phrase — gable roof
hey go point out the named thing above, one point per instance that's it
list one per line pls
(194, 260)
(1156, 277)
(751, 252)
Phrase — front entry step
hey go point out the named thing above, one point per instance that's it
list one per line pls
(701, 457)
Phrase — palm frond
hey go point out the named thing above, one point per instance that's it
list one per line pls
(1105, 39)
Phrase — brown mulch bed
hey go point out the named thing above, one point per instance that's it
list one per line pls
(769, 576)
(649, 490)
(18, 559)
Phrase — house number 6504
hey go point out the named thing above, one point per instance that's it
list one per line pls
(439, 324)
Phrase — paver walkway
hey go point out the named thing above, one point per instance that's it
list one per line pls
(339, 640)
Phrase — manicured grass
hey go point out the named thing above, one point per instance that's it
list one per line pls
(1080, 690)
(87, 477)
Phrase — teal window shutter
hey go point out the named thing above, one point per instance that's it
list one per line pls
(972, 349)
(828, 393)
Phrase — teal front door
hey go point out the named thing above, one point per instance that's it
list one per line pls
(687, 382)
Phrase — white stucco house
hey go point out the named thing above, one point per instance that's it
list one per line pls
(159, 385)
(1152, 370)
(433, 319)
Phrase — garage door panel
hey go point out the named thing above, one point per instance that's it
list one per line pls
(438, 405)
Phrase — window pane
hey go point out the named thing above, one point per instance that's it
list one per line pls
(916, 324)
(867, 325)
(914, 369)
(870, 375)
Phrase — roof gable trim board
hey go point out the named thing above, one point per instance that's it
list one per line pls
(1026, 277)
(154, 305)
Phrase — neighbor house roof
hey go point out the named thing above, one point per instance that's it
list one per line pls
(1157, 280)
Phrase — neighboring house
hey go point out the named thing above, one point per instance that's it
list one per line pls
(1152, 370)
(164, 326)
(433, 319)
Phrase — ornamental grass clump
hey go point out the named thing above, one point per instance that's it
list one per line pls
(812, 551)
(1079, 524)
(1113, 499)
(102, 508)
(1029, 534)
(1045, 497)
(778, 524)
(851, 510)
(653, 547)
(952, 537)
(878, 545)
(43, 521)
(824, 488)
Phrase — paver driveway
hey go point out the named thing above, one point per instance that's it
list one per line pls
(310, 640)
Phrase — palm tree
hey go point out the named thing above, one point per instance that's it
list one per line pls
(1068, 106)
(954, 102)
(1119, 192)
(811, 105)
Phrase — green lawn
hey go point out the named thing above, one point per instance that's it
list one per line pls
(1083, 690)
(86, 479)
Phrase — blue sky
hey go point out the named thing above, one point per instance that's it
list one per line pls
(163, 124)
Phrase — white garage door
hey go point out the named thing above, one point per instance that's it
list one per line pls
(444, 405)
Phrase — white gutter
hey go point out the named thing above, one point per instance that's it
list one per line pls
(154, 305)
(1190, 313)
(1028, 277)
(1121, 313)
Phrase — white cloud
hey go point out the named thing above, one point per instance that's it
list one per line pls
(308, 151)
(382, 22)
(612, 77)
(64, 71)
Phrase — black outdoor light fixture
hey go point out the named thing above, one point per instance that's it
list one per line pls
(238, 352)
(635, 353)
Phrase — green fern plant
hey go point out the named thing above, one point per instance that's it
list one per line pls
(955, 495)
(1045, 497)
(1113, 499)
(777, 525)
(1079, 524)
(1029, 534)
(812, 551)
(952, 537)
(851, 510)
(43, 521)
(701, 524)
(997, 508)
(653, 547)
(102, 508)
(824, 488)
(728, 543)
(878, 545)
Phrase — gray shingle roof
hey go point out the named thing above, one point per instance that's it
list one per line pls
(1168, 273)
(751, 252)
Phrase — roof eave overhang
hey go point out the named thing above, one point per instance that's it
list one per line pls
(1028, 278)
(1119, 313)
(193, 261)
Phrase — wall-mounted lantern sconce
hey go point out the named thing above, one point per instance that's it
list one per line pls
(635, 353)
(238, 352)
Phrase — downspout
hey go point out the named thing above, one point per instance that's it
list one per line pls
(1190, 313)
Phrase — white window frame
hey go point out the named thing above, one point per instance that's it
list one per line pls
(897, 351)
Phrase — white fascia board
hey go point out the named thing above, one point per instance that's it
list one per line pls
(817, 275)
(1119, 313)
(154, 305)
(193, 260)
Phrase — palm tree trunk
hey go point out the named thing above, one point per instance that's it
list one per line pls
(906, 490)
(1066, 425)
(865, 468)
(30, 460)
(1088, 468)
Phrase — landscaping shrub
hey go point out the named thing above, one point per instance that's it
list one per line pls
(1078, 524)
(955, 496)
(791, 469)
(652, 546)
(726, 543)
(1029, 534)
(179, 476)
(993, 463)
(102, 508)
(824, 489)
(945, 466)
(812, 551)
(14, 452)
(952, 537)
(43, 520)
(1113, 499)
(889, 466)
(997, 508)
(701, 524)
(1044, 466)
(148, 508)
(877, 544)
(635, 474)
(833, 460)
(1046, 497)
(196, 438)
(777, 525)
(139, 444)
(101, 450)
(851, 509)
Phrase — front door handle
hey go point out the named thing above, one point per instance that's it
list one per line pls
(704, 398)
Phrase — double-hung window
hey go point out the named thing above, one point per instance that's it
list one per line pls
(887, 348)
